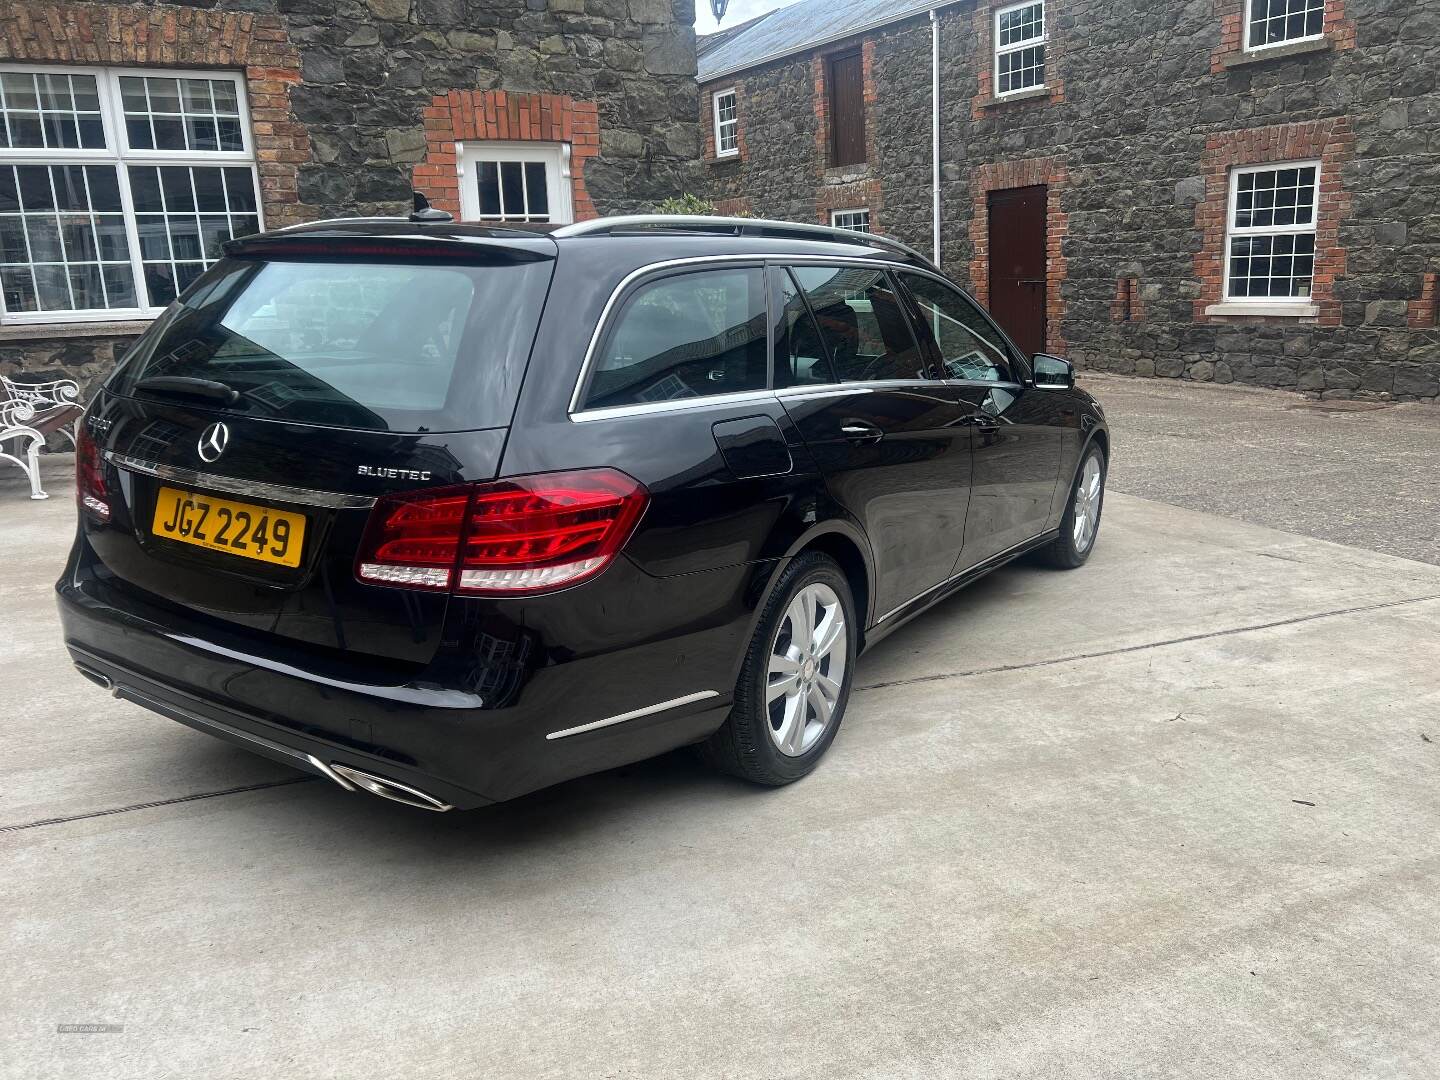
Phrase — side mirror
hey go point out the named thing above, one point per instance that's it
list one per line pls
(1052, 372)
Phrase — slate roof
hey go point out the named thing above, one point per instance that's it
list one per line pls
(796, 28)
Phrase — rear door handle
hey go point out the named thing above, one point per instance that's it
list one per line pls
(858, 431)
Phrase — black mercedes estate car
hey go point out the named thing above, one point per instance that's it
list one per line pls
(448, 513)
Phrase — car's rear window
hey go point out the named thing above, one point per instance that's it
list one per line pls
(435, 346)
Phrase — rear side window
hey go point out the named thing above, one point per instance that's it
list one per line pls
(385, 346)
(862, 323)
(800, 357)
(689, 335)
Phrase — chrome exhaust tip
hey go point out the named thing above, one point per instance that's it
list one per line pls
(102, 681)
(391, 789)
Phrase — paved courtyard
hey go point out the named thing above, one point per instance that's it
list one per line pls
(1361, 473)
(1168, 815)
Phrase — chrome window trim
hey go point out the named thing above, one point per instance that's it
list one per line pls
(644, 408)
(230, 485)
(579, 415)
(635, 714)
(603, 323)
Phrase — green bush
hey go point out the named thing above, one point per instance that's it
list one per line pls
(686, 204)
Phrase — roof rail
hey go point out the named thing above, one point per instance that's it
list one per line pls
(732, 226)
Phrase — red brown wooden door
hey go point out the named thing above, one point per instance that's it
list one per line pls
(1017, 264)
(847, 110)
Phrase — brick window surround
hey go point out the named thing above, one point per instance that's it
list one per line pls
(1028, 172)
(707, 121)
(1338, 31)
(474, 115)
(860, 194)
(984, 35)
(116, 35)
(1328, 141)
(820, 101)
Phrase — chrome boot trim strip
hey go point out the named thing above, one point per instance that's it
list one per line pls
(234, 486)
(673, 703)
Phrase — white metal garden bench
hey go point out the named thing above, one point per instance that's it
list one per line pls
(30, 411)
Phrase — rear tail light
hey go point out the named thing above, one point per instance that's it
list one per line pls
(526, 535)
(90, 490)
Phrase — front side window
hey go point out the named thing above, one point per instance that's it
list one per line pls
(691, 335)
(118, 188)
(862, 325)
(515, 182)
(1276, 22)
(854, 220)
(727, 124)
(970, 347)
(1020, 48)
(1271, 240)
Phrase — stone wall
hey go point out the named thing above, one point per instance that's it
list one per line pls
(344, 92)
(1147, 99)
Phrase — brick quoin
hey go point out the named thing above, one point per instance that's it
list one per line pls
(1337, 29)
(1028, 172)
(1331, 142)
(474, 115)
(183, 37)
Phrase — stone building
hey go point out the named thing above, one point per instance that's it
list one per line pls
(135, 138)
(1228, 190)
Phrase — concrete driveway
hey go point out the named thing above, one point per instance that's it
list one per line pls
(1173, 814)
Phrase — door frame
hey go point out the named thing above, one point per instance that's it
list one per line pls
(1015, 194)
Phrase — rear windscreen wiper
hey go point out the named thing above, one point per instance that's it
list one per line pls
(184, 386)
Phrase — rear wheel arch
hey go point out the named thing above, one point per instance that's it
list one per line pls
(853, 560)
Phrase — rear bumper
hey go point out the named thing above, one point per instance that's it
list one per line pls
(445, 743)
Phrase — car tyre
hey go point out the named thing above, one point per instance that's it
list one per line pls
(1080, 527)
(799, 663)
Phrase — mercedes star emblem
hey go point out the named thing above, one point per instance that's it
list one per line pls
(213, 441)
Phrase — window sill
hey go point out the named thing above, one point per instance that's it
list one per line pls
(1035, 93)
(725, 159)
(37, 331)
(1284, 311)
(1277, 52)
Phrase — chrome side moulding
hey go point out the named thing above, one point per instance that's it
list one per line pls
(302, 760)
(391, 789)
(231, 485)
(578, 414)
(609, 721)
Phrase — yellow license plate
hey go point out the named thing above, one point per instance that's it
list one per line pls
(236, 528)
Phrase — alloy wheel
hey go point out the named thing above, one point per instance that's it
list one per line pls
(806, 669)
(1087, 504)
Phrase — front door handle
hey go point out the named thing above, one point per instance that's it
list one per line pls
(859, 431)
(982, 422)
